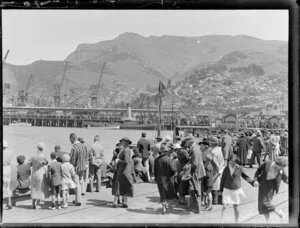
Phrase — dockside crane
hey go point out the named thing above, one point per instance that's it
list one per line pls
(95, 89)
(24, 94)
(57, 88)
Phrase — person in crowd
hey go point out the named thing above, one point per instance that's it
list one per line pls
(77, 159)
(275, 140)
(55, 174)
(59, 153)
(139, 169)
(183, 158)
(70, 180)
(164, 172)
(269, 149)
(284, 142)
(226, 145)
(231, 185)
(144, 147)
(23, 173)
(39, 185)
(197, 173)
(242, 149)
(123, 183)
(96, 164)
(218, 169)
(7, 156)
(177, 141)
(269, 175)
(167, 140)
(85, 174)
(258, 146)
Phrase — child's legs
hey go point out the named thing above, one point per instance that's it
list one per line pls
(236, 212)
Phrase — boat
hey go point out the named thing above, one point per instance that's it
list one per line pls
(107, 126)
(19, 124)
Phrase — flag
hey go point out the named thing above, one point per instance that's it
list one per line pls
(162, 89)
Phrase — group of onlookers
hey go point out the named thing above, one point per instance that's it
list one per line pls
(207, 170)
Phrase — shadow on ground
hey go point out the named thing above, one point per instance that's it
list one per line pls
(99, 203)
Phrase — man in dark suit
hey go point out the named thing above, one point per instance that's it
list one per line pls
(144, 147)
(258, 146)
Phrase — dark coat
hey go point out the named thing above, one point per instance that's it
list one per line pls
(258, 144)
(123, 181)
(242, 150)
(233, 182)
(164, 171)
(23, 176)
(197, 160)
(54, 169)
(144, 146)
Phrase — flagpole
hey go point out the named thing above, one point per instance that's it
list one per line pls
(159, 120)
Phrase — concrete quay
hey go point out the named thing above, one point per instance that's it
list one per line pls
(144, 208)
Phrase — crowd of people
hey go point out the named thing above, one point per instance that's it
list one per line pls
(197, 172)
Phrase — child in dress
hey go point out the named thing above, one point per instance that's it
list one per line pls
(231, 187)
(68, 179)
(23, 173)
(55, 174)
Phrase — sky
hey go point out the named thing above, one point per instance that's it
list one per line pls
(33, 35)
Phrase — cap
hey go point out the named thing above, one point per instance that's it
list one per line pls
(21, 159)
(41, 146)
(126, 140)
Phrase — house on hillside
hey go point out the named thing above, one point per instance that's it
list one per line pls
(230, 118)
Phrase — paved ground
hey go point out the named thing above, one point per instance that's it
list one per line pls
(144, 208)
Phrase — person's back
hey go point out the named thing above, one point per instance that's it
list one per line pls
(23, 176)
(257, 144)
(217, 153)
(197, 159)
(56, 172)
(97, 150)
(144, 146)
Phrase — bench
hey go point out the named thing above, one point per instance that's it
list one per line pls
(19, 195)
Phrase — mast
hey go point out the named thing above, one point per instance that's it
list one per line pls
(159, 120)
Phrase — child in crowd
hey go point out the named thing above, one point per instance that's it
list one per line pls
(55, 174)
(69, 179)
(23, 173)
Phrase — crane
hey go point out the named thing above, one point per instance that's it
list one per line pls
(95, 88)
(58, 86)
(23, 94)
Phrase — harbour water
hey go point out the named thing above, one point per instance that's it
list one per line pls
(23, 140)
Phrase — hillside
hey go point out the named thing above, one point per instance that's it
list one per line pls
(135, 61)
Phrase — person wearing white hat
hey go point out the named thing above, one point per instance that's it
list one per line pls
(7, 156)
(39, 187)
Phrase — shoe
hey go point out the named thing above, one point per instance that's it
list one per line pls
(37, 207)
(115, 205)
(82, 194)
(64, 207)
(125, 205)
(209, 208)
(58, 207)
(53, 208)
(76, 204)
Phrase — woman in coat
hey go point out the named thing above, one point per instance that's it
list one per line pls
(123, 181)
(39, 185)
(242, 144)
(164, 172)
(269, 175)
(231, 187)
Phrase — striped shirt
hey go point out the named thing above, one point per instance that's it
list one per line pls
(77, 156)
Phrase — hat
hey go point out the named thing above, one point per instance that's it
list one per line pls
(125, 139)
(213, 140)
(176, 146)
(5, 145)
(57, 148)
(66, 158)
(167, 138)
(164, 148)
(41, 146)
(21, 159)
(80, 139)
(281, 162)
(143, 134)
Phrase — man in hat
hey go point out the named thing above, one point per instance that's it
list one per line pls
(227, 148)
(96, 162)
(144, 147)
(258, 146)
(123, 184)
(78, 161)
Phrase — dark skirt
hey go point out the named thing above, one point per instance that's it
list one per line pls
(208, 180)
(123, 182)
(265, 196)
(166, 188)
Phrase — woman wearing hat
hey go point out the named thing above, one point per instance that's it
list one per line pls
(7, 156)
(123, 183)
(39, 186)
(164, 172)
(242, 149)
(269, 175)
